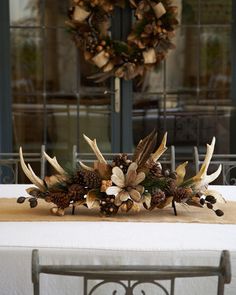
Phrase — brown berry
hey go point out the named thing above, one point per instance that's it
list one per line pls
(219, 212)
(202, 201)
(210, 199)
(209, 206)
(33, 202)
(21, 200)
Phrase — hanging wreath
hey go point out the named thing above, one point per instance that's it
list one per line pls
(147, 44)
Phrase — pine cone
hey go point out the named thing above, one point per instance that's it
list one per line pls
(122, 161)
(157, 198)
(76, 192)
(59, 198)
(92, 179)
(78, 178)
(154, 168)
(170, 187)
(181, 194)
(107, 206)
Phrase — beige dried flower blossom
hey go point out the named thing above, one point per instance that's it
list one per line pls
(127, 185)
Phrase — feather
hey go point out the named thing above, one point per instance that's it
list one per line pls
(145, 148)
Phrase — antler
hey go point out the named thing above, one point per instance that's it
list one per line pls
(202, 174)
(94, 147)
(85, 166)
(55, 164)
(30, 173)
(201, 180)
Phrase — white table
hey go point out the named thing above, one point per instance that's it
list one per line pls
(110, 243)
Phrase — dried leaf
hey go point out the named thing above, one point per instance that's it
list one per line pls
(33, 191)
(80, 202)
(133, 3)
(165, 203)
(92, 199)
(136, 207)
(54, 179)
(194, 201)
(181, 171)
(127, 206)
(147, 200)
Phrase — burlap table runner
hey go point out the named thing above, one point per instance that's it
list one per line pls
(12, 211)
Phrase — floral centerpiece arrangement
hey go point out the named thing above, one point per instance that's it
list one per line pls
(125, 183)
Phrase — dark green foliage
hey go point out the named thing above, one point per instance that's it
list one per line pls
(120, 47)
(151, 182)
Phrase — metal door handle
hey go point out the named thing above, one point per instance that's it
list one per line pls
(117, 95)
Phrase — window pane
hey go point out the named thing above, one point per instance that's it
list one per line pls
(56, 12)
(61, 116)
(215, 59)
(95, 121)
(189, 12)
(61, 62)
(28, 122)
(216, 12)
(181, 66)
(26, 57)
(25, 12)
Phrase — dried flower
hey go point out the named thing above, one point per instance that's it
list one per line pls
(127, 185)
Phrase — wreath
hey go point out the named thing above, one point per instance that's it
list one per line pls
(147, 44)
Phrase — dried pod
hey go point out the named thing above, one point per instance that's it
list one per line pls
(33, 202)
(209, 206)
(210, 199)
(219, 212)
(21, 200)
(202, 201)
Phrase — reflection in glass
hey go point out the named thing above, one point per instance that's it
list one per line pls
(216, 12)
(181, 66)
(61, 126)
(196, 103)
(61, 62)
(215, 60)
(95, 121)
(28, 122)
(25, 12)
(56, 12)
(190, 12)
(26, 57)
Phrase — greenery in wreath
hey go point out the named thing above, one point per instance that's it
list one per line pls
(147, 43)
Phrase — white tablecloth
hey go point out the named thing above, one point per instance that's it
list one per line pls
(110, 243)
